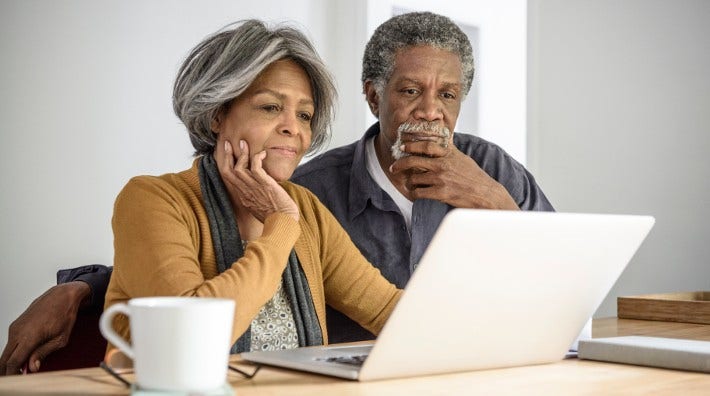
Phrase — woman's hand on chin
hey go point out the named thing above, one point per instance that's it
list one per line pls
(251, 187)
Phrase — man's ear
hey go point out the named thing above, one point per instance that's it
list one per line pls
(373, 99)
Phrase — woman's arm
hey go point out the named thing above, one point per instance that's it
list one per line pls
(162, 249)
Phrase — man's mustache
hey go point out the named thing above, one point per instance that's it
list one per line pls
(424, 127)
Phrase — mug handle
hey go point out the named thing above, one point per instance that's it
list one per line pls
(105, 325)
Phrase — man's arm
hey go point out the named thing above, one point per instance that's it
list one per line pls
(46, 324)
(96, 276)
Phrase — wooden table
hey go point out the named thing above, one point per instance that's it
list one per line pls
(571, 376)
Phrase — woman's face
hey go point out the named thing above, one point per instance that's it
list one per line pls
(273, 115)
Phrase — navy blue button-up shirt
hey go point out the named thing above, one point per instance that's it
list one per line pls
(339, 178)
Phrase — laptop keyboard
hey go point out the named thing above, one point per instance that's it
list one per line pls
(354, 360)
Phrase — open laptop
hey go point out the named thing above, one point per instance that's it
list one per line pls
(493, 289)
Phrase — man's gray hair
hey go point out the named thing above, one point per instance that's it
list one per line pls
(414, 29)
(225, 64)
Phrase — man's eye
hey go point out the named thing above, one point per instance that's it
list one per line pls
(306, 116)
(448, 95)
(410, 91)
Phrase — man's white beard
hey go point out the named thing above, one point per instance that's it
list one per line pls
(424, 128)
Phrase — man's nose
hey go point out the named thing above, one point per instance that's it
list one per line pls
(428, 108)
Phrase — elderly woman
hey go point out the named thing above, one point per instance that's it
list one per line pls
(254, 101)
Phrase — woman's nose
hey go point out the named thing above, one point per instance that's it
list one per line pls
(289, 124)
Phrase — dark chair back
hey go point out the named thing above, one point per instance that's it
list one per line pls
(86, 346)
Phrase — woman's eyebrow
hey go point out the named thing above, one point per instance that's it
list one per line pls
(282, 96)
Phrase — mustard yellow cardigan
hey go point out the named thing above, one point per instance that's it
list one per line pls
(163, 247)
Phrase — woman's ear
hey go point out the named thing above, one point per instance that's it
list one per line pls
(373, 99)
(220, 115)
(216, 124)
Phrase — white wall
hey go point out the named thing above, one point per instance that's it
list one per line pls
(85, 103)
(619, 122)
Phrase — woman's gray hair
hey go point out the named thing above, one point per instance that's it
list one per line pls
(225, 64)
(413, 29)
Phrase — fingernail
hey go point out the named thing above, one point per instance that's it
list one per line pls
(401, 147)
(226, 145)
(390, 168)
(36, 364)
(242, 144)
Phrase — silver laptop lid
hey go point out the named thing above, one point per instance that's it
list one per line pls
(494, 289)
(503, 288)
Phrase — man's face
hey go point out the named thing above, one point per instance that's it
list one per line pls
(421, 100)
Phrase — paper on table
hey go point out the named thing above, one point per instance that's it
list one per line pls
(679, 354)
(586, 334)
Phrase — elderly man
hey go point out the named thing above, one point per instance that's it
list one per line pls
(390, 190)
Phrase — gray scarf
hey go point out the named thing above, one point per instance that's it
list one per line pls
(228, 249)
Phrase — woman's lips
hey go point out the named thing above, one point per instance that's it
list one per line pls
(285, 151)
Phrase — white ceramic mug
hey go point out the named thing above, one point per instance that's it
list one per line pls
(177, 343)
